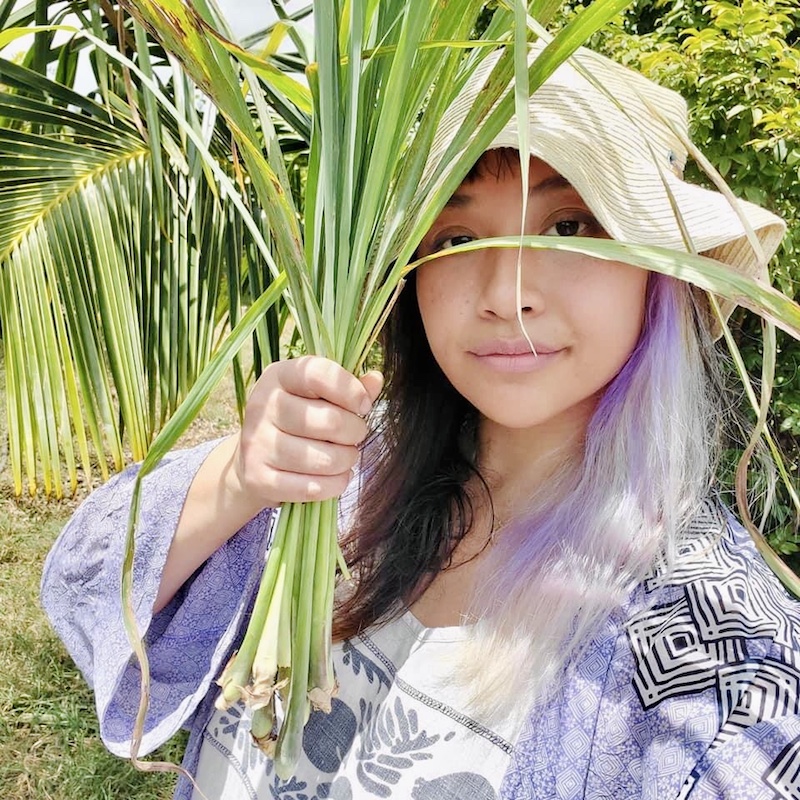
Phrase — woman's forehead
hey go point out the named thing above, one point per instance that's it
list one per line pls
(504, 162)
(501, 165)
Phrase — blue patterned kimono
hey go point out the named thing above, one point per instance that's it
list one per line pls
(690, 690)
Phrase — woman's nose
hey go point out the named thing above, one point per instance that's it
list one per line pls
(504, 270)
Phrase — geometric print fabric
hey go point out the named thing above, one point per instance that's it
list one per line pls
(783, 776)
(691, 692)
(671, 656)
(701, 641)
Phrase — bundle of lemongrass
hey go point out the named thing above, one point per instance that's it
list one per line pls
(384, 73)
(383, 76)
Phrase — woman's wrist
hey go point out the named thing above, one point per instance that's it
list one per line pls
(217, 505)
(239, 502)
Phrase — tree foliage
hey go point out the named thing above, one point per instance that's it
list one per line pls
(121, 261)
(117, 163)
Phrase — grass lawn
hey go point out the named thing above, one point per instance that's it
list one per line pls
(49, 743)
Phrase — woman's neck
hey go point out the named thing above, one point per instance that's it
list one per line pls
(518, 464)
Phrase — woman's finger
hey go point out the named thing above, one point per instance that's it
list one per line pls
(293, 487)
(282, 452)
(314, 419)
(314, 377)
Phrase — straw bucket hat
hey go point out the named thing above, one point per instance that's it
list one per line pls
(625, 159)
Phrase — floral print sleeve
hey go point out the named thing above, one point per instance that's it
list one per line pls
(188, 641)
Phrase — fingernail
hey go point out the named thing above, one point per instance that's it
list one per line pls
(365, 407)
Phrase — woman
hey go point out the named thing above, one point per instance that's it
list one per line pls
(549, 598)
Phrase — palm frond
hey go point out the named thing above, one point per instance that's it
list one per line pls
(112, 267)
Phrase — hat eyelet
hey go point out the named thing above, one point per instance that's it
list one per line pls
(674, 164)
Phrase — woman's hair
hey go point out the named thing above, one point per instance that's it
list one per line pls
(556, 573)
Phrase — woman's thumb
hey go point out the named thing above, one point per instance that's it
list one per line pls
(373, 383)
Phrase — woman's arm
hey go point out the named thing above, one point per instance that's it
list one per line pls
(210, 515)
(200, 545)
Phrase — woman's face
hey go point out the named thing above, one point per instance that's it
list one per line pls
(583, 315)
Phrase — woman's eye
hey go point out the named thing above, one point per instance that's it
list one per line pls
(574, 227)
(446, 242)
(567, 227)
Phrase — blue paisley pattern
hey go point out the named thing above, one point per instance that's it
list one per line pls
(690, 691)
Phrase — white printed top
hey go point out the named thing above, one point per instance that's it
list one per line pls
(397, 729)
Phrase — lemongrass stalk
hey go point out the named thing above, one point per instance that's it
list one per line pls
(341, 564)
(275, 648)
(321, 682)
(262, 726)
(265, 664)
(287, 608)
(336, 555)
(290, 739)
(236, 675)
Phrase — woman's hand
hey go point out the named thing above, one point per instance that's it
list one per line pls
(303, 424)
(299, 441)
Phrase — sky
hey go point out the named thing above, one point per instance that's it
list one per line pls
(244, 17)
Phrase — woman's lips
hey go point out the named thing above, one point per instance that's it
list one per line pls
(514, 356)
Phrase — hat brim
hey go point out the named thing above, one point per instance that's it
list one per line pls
(620, 140)
(636, 202)
(625, 158)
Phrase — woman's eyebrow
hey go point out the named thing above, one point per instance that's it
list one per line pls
(551, 183)
(460, 199)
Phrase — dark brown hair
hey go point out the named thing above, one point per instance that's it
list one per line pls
(413, 508)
